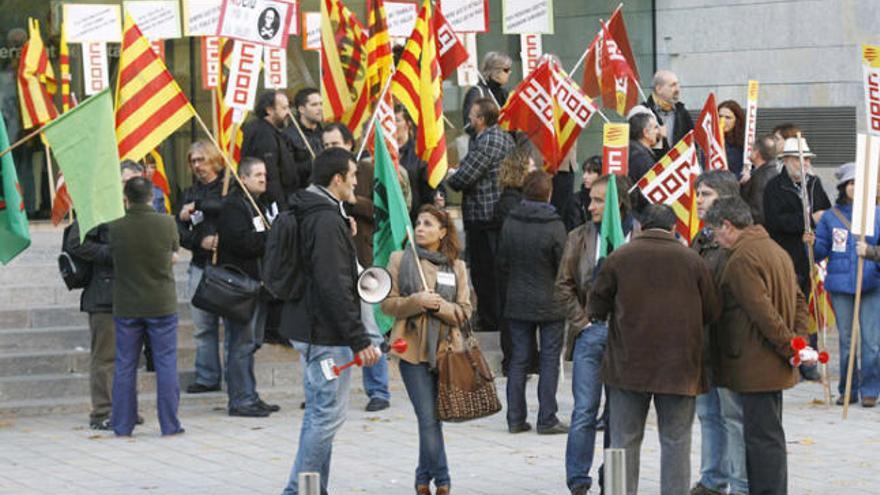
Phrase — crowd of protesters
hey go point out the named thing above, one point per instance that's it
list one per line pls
(699, 330)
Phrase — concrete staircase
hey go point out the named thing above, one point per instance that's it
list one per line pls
(44, 341)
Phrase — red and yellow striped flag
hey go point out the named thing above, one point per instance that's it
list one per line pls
(380, 68)
(160, 178)
(149, 104)
(64, 68)
(669, 183)
(416, 84)
(226, 116)
(36, 80)
(344, 66)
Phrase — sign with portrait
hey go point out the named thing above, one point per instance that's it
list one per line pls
(265, 22)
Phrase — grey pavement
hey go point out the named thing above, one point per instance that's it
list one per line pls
(375, 453)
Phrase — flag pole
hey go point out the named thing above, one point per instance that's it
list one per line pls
(22, 140)
(372, 120)
(301, 133)
(228, 163)
(50, 174)
(412, 244)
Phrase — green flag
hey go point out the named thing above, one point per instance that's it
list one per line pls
(611, 232)
(390, 215)
(83, 141)
(14, 234)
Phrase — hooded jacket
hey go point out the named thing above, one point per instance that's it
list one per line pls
(328, 313)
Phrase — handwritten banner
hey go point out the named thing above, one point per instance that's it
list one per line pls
(467, 72)
(401, 18)
(466, 16)
(157, 19)
(527, 16)
(201, 17)
(312, 28)
(86, 23)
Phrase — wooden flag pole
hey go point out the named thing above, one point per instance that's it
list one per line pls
(22, 141)
(856, 326)
(372, 120)
(228, 163)
(299, 130)
(412, 244)
(231, 145)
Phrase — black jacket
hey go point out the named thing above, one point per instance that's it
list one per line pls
(784, 219)
(753, 190)
(575, 213)
(328, 313)
(683, 122)
(97, 296)
(208, 200)
(240, 244)
(264, 141)
(641, 159)
(510, 199)
(302, 159)
(482, 91)
(417, 170)
(532, 240)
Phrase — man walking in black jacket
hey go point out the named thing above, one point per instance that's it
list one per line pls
(325, 322)
(264, 139)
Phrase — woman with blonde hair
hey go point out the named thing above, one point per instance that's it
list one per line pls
(424, 317)
(496, 73)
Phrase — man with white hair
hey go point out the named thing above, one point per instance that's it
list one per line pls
(674, 119)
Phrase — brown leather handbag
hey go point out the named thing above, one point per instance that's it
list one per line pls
(465, 385)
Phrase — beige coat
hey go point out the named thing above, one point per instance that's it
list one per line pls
(404, 307)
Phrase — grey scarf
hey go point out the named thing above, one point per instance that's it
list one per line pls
(411, 283)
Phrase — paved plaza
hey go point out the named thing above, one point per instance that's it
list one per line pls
(375, 453)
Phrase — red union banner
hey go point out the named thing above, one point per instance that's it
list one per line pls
(707, 134)
(615, 149)
(244, 75)
(210, 62)
(871, 65)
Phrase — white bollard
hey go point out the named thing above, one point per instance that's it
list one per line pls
(309, 483)
(615, 472)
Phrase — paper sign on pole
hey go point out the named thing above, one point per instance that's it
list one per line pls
(92, 23)
(312, 27)
(527, 16)
(530, 52)
(401, 18)
(157, 19)
(264, 22)
(751, 121)
(865, 200)
(95, 68)
(466, 16)
(201, 17)
(615, 149)
(274, 68)
(244, 75)
(210, 62)
(467, 72)
(871, 65)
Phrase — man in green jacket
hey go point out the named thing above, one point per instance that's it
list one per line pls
(143, 244)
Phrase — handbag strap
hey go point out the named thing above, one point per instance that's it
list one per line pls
(843, 220)
(214, 249)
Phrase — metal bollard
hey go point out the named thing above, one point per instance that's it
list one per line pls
(615, 472)
(309, 483)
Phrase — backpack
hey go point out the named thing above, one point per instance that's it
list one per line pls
(281, 261)
(75, 271)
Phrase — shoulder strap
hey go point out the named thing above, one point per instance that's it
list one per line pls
(841, 217)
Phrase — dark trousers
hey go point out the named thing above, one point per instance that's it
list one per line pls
(522, 334)
(103, 351)
(482, 243)
(129, 341)
(766, 458)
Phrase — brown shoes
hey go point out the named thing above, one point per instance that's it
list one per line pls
(869, 401)
(423, 490)
(442, 490)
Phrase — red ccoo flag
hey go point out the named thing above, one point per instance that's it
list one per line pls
(707, 134)
(451, 52)
(619, 84)
(592, 81)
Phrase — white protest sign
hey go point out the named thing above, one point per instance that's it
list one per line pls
(312, 28)
(867, 165)
(530, 52)
(527, 16)
(401, 18)
(467, 73)
(244, 72)
(871, 66)
(274, 68)
(87, 22)
(751, 121)
(264, 22)
(157, 19)
(201, 17)
(210, 62)
(95, 68)
(466, 16)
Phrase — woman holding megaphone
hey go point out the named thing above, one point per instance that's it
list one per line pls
(427, 300)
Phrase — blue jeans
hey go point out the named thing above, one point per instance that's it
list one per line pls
(326, 406)
(722, 449)
(521, 338)
(375, 377)
(209, 372)
(866, 377)
(421, 386)
(586, 387)
(129, 342)
(241, 346)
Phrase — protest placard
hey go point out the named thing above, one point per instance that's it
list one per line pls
(92, 23)
(157, 19)
(201, 17)
(401, 18)
(265, 22)
(527, 16)
(466, 16)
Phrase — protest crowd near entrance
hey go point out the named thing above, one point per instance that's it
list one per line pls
(456, 204)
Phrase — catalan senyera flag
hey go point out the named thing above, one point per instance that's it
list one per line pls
(160, 178)
(669, 182)
(708, 135)
(551, 109)
(450, 49)
(416, 84)
(149, 103)
(344, 66)
(380, 68)
(592, 80)
(64, 69)
(36, 81)
(228, 122)
(619, 84)
(822, 316)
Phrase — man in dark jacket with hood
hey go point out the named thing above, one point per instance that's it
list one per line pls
(264, 139)
(325, 322)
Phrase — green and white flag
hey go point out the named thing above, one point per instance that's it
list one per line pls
(14, 234)
(83, 141)
(611, 231)
(390, 215)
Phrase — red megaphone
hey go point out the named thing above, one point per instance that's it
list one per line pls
(399, 346)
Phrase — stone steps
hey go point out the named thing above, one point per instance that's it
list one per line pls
(65, 338)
